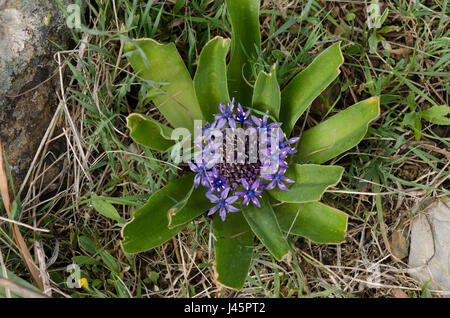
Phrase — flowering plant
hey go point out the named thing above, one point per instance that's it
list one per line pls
(246, 170)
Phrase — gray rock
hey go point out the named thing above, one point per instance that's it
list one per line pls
(429, 257)
(29, 30)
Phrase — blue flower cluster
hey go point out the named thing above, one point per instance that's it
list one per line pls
(261, 149)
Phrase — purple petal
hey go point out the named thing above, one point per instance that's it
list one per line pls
(213, 209)
(246, 200)
(231, 200)
(257, 121)
(223, 213)
(222, 107)
(245, 184)
(193, 166)
(225, 192)
(210, 163)
(286, 179)
(205, 182)
(282, 186)
(212, 197)
(271, 185)
(231, 105)
(197, 180)
(232, 123)
(232, 208)
(256, 202)
(240, 193)
(259, 192)
(255, 184)
(266, 176)
(221, 122)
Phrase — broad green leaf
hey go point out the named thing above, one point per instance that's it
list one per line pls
(314, 220)
(245, 45)
(338, 133)
(149, 132)
(195, 205)
(105, 208)
(149, 227)
(311, 181)
(437, 115)
(308, 84)
(163, 64)
(233, 246)
(210, 80)
(264, 224)
(267, 95)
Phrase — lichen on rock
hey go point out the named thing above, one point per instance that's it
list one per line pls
(28, 31)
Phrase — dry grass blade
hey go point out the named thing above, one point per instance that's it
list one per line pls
(20, 290)
(17, 236)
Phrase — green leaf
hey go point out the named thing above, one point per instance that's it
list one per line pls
(311, 181)
(306, 86)
(149, 227)
(373, 41)
(85, 260)
(338, 133)
(233, 247)
(245, 46)
(264, 224)
(210, 80)
(195, 205)
(314, 220)
(106, 209)
(413, 121)
(110, 262)
(149, 132)
(437, 115)
(425, 291)
(87, 244)
(163, 64)
(267, 95)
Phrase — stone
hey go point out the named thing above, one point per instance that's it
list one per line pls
(29, 30)
(429, 256)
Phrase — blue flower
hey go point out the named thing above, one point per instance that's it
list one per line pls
(274, 158)
(241, 116)
(223, 203)
(262, 123)
(216, 182)
(277, 179)
(259, 159)
(226, 115)
(202, 172)
(251, 192)
(283, 144)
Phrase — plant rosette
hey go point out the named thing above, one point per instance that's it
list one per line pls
(243, 167)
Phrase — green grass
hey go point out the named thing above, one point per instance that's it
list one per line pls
(409, 70)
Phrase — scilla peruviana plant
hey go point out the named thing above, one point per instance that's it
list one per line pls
(276, 193)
